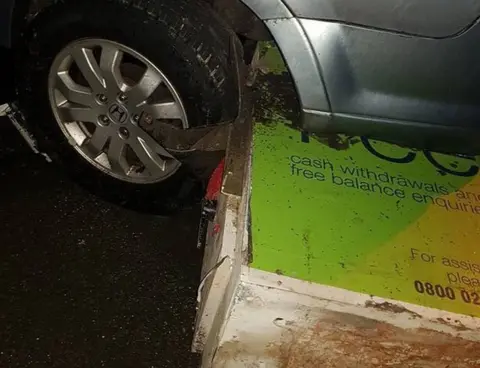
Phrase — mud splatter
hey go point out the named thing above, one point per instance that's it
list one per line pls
(271, 60)
(276, 101)
(389, 307)
(308, 249)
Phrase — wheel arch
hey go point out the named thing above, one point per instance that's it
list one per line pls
(303, 65)
(241, 18)
(278, 24)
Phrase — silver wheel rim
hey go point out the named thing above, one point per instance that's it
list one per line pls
(104, 96)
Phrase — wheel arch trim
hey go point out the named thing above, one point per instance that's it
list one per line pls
(302, 63)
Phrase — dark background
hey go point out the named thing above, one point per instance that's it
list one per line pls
(84, 283)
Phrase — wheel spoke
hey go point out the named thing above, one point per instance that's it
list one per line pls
(89, 83)
(89, 68)
(110, 61)
(148, 157)
(116, 155)
(97, 141)
(72, 91)
(164, 110)
(81, 114)
(149, 151)
(150, 142)
(149, 82)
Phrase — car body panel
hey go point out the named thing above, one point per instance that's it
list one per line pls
(384, 74)
(269, 9)
(418, 90)
(302, 62)
(428, 18)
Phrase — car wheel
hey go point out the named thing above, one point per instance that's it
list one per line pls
(105, 81)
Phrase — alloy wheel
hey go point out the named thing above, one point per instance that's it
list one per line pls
(103, 95)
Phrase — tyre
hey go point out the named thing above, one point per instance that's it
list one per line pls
(102, 83)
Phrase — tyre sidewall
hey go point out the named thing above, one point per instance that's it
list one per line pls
(129, 27)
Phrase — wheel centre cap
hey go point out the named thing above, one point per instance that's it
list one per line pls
(117, 113)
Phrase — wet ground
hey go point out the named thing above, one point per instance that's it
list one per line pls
(84, 283)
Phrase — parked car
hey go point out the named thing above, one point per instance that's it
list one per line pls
(104, 82)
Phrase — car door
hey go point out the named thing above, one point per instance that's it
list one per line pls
(402, 70)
